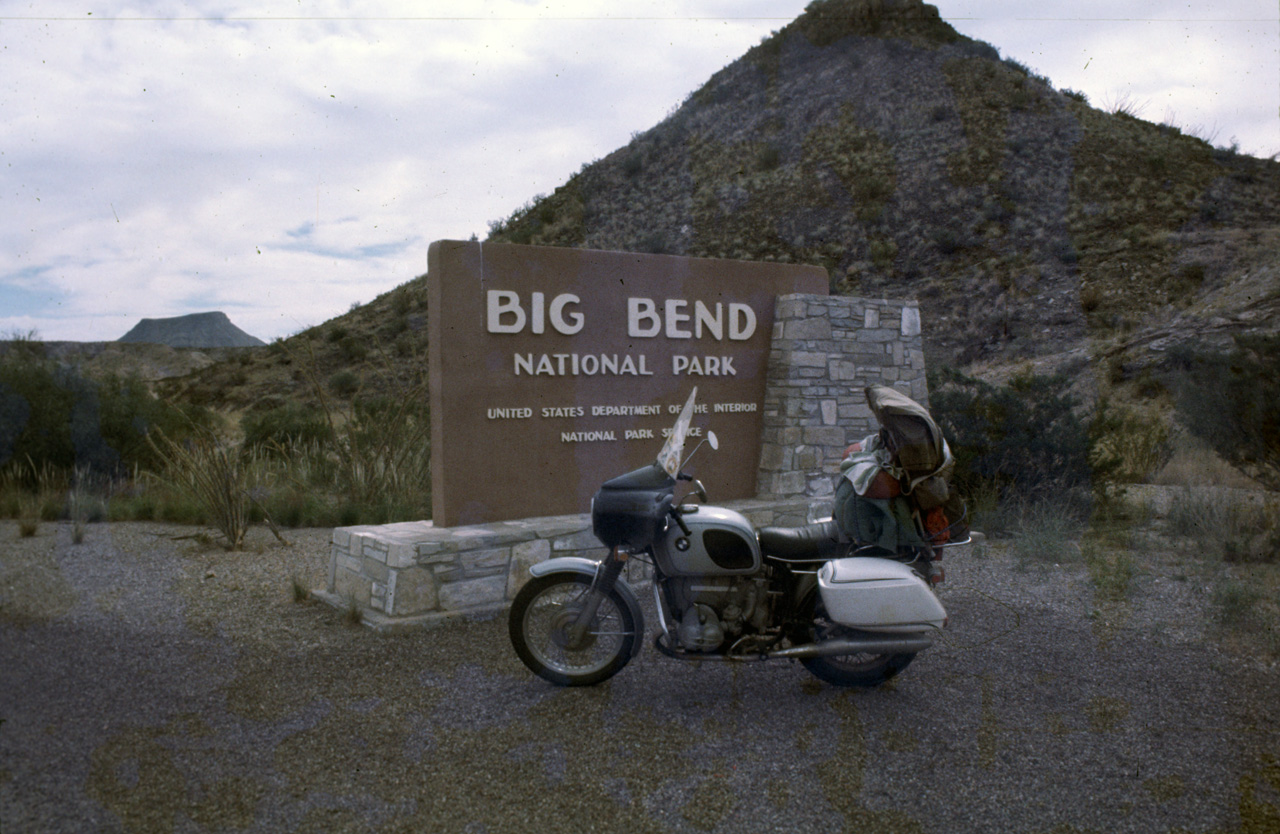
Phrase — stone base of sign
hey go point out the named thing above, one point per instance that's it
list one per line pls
(825, 350)
(414, 574)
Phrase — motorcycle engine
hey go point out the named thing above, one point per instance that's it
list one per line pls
(713, 608)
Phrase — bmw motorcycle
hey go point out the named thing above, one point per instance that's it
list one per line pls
(723, 590)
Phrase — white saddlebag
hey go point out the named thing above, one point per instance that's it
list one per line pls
(878, 595)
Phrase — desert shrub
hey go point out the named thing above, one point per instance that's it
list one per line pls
(1020, 439)
(632, 164)
(1126, 446)
(352, 348)
(51, 416)
(1231, 400)
(344, 383)
(283, 428)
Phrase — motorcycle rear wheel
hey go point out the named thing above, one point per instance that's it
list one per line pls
(865, 670)
(541, 616)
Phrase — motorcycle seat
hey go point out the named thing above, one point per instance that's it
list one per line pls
(816, 542)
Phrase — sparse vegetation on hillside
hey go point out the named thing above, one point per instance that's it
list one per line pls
(873, 140)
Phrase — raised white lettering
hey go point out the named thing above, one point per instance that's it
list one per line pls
(703, 318)
(574, 364)
(575, 320)
(642, 310)
(703, 365)
(538, 323)
(675, 317)
(500, 303)
(742, 321)
(585, 436)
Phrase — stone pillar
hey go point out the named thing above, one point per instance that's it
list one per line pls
(825, 351)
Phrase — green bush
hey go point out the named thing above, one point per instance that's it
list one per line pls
(1231, 400)
(285, 427)
(344, 383)
(50, 416)
(1022, 439)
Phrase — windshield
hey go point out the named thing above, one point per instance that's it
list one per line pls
(669, 457)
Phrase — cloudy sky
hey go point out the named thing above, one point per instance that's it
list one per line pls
(158, 159)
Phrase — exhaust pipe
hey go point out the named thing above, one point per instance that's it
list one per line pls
(907, 644)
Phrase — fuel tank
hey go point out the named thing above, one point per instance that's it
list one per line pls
(721, 542)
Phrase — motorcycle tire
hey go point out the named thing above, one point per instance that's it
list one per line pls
(540, 617)
(864, 670)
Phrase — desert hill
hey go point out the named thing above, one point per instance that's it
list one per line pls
(197, 330)
(872, 138)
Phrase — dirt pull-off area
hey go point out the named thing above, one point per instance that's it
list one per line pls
(151, 683)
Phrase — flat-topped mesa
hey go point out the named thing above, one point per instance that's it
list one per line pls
(197, 330)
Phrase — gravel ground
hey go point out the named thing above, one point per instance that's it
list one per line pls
(152, 683)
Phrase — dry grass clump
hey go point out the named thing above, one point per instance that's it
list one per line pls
(1195, 464)
(1227, 524)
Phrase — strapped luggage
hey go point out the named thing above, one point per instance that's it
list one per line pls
(911, 451)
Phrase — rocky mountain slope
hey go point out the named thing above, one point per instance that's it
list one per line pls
(870, 137)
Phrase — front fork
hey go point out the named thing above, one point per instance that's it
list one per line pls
(606, 577)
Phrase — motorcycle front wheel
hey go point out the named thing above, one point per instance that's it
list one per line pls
(866, 670)
(541, 617)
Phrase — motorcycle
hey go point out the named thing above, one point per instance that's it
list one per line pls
(724, 590)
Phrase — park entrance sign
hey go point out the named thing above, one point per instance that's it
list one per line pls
(552, 370)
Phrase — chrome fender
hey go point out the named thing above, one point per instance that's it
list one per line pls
(588, 567)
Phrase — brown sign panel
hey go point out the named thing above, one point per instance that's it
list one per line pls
(553, 370)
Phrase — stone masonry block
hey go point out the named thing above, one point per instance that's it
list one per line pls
(825, 436)
(910, 321)
(523, 557)
(815, 328)
(415, 592)
(401, 555)
(375, 570)
(788, 483)
(788, 306)
(473, 593)
(808, 459)
(842, 370)
(484, 562)
(808, 360)
(583, 540)
(351, 586)
(775, 457)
